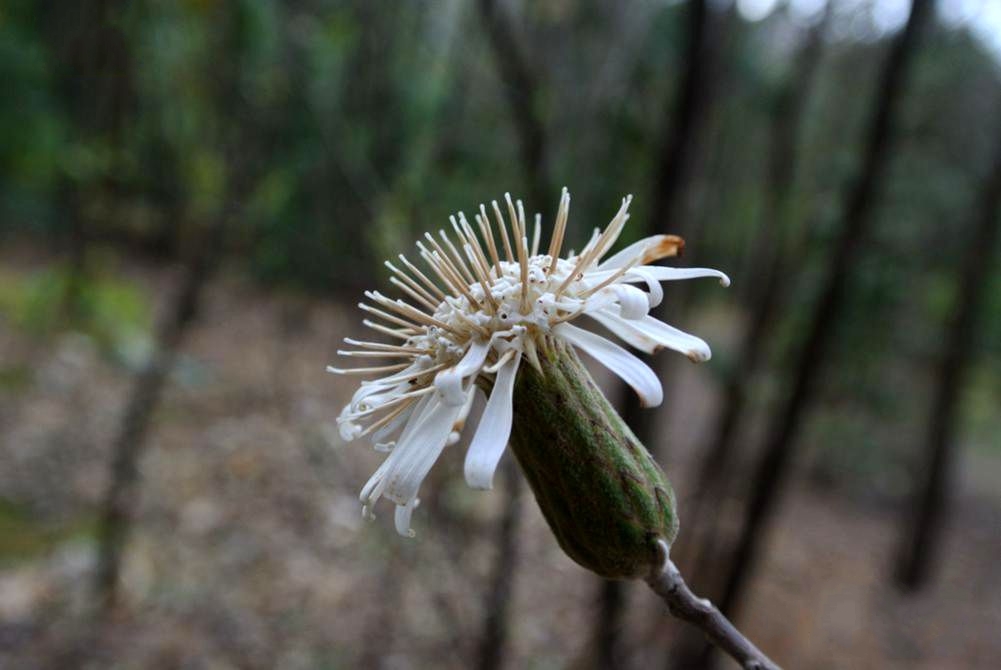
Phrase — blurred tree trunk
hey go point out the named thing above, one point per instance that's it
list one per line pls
(678, 148)
(770, 476)
(121, 497)
(522, 90)
(94, 82)
(523, 103)
(238, 139)
(770, 260)
(494, 637)
(922, 538)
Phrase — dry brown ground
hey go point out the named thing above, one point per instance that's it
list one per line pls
(249, 550)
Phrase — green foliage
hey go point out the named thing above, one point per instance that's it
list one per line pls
(336, 132)
(23, 537)
(112, 311)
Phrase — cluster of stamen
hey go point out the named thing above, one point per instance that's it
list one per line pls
(505, 293)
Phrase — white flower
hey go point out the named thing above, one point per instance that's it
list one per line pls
(476, 315)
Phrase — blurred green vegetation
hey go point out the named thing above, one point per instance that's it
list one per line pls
(354, 127)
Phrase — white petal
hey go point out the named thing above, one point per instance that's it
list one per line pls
(494, 430)
(661, 273)
(373, 488)
(633, 302)
(632, 370)
(648, 334)
(449, 382)
(656, 294)
(394, 425)
(402, 518)
(412, 459)
(646, 250)
(626, 331)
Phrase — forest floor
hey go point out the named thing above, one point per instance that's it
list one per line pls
(249, 551)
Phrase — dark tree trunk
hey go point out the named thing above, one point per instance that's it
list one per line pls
(771, 474)
(678, 148)
(921, 541)
(123, 488)
(523, 102)
(147, 389)
(770, 259)
(493, 642)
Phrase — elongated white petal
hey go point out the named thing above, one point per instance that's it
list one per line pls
(412, 459)
(449, 382)
(373, 487)
(632, 370)
(402, 518)
(649, 334)
(661, 273)
(494, 430)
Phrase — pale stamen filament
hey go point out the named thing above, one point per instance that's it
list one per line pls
(404, 334)
(389, 417)
(368, 371)
(385, 316)
(536, 234)
(556, 244)
(451, 275)
(487, 230)
(410, 281)
(413, 294)
(375, 354)
(435, 289)
(460, 263)
(382, 346)
(503, 230)
(391, 402)
(613, 278)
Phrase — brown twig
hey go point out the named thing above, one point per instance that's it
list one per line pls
(668, 583)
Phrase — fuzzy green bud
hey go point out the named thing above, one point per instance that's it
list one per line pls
(605, 498)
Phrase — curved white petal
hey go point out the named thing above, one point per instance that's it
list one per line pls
(449, 382)
(656, 292)
(632, 370)
(633, 302)
(661, 273)
(402, 518)
(423, 438)
(649, 335)
(494, 430)
(644, 251)
(412, 459)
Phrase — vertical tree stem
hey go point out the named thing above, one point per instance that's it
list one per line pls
(921, 539)
(770, 476)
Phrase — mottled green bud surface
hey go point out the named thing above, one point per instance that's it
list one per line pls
(605, 498)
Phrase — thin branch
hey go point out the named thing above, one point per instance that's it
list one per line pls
(685, 605)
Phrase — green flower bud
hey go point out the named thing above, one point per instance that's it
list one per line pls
(605, 498)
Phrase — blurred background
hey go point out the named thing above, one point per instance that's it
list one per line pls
(194, 194)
